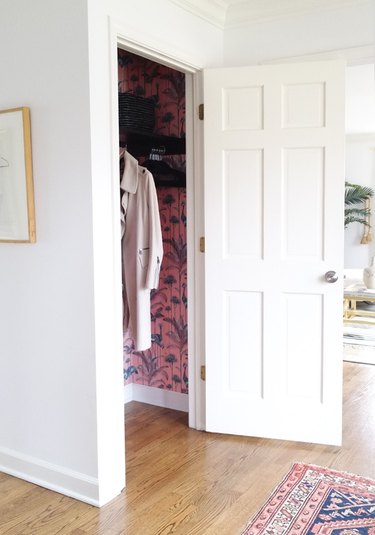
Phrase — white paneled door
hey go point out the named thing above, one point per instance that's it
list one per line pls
(274, 186)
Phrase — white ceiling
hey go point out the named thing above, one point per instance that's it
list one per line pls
(232, 13)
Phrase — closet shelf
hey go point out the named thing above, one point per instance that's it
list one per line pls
(141, 144)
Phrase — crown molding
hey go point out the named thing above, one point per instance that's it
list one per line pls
(257, 11)
(227, 14)
(212, 11)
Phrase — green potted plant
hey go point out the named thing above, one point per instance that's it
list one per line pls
(357, 206)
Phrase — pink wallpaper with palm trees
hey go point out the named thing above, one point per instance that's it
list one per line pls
(165, 364)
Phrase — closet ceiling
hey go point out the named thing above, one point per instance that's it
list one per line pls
(232, 13)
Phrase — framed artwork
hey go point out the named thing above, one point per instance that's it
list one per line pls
(17, 213)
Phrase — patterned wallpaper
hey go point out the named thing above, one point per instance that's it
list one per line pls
(164, 85)
(165, 364)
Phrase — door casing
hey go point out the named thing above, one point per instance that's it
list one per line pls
(194, 188)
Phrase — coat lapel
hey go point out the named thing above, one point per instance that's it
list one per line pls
(129, 181)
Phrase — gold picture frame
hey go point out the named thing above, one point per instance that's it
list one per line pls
(17, 211)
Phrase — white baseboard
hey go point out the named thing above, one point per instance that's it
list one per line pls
(156, 396)
(51, 476)
(128, 393)
(76, 484)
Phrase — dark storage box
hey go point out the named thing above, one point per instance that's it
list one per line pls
(136, 113)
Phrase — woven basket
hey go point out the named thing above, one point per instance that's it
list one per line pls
(136, 113)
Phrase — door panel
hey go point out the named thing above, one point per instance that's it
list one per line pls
(238, 195)
(274, 180)
(303, 178)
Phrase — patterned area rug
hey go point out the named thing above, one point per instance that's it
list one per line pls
(317, 501)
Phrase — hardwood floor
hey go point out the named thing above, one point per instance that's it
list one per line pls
(185, 482)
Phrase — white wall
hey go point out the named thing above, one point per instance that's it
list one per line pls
(162, 25)
(61, 389)
(360, 154)
(360, 169)
(47, 350)
(310, 33)
(360, 98)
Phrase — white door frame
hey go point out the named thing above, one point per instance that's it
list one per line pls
(194, 202)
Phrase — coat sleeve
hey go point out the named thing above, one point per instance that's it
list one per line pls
(155, 235)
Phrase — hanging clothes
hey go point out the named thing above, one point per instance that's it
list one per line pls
(142, 248)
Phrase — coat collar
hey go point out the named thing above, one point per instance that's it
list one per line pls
(129, 181)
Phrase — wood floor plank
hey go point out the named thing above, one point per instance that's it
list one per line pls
(185, 482)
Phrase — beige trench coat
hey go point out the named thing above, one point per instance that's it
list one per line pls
(142, 248)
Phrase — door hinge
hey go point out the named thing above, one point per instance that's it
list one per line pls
(201, 112)
(203, 373)
(202, 244)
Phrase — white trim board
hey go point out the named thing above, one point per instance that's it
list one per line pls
(156, 396)
(51, 476)
(151, 48)
(161, 52)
